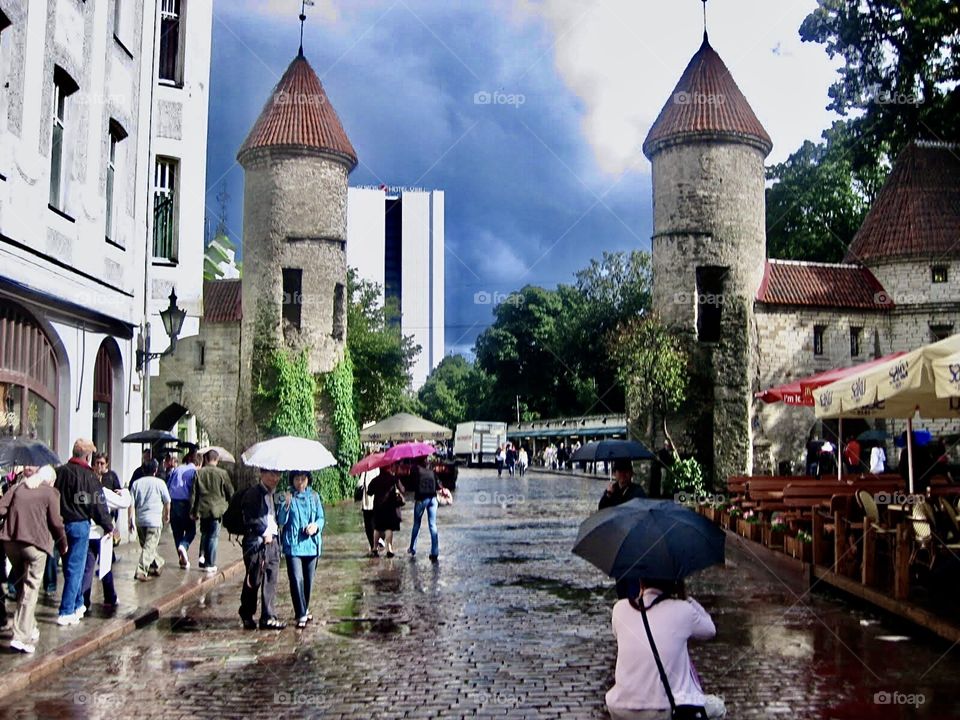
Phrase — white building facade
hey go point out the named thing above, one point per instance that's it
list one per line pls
(81, 111)
(395, 237)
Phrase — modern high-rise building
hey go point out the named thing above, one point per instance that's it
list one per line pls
(395, 238)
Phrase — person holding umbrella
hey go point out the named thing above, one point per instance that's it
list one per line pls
(301, 519)
(621, 488)
(261, 553)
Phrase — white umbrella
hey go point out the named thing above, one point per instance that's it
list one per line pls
(225, 455)
(402, 427)
(289, 453)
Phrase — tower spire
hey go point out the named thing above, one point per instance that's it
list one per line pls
(303, 19)
(705, 39)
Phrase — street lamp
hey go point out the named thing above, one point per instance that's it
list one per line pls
(172, 318)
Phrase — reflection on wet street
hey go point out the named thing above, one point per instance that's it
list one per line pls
(508, 624)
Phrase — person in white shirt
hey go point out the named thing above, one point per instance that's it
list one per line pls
(878, 460)
(119, 500)
(638, 692)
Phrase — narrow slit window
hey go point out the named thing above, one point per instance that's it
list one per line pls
(339, 312)
(818, 331)
(939, 274)
(709, 306)
(292, 296)
(856, 341)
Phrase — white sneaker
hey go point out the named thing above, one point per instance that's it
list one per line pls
(35, 635)
(71, 619)
(210, 569)
(184, 560)
(81, 611)
(22, 646)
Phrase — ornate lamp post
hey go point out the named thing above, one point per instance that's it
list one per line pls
(172, 318)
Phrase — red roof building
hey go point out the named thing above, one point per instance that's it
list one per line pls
(790, 282)
(221, 301)
(706, 104)
(917, 214)
(298, 116)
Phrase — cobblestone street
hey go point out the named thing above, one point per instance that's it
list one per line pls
(509, 624)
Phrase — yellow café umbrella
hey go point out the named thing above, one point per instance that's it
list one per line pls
(899, 388)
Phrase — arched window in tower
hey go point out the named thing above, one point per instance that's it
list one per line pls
(709, 306)
(339, 312)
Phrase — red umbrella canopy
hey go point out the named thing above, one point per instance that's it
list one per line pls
(406, 451)
(800, 392)
(370, 462)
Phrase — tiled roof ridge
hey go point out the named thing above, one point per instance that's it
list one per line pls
(706, 102)
(814, 263)
(298, 115)
(827, 285)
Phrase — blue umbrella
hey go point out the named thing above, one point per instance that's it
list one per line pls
(612, 450)
(15, 451)
(873, 436)
(920, 438)
(651, 539)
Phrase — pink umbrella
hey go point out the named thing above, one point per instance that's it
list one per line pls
(370, 462)
(405, 451)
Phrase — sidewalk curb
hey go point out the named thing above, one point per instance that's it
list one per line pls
(111, 631)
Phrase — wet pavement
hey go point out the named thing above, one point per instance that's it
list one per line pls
(508, 624)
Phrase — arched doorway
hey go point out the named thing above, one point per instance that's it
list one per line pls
(107, 397)
(28, 377)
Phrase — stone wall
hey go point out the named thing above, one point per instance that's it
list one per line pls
(203, 375)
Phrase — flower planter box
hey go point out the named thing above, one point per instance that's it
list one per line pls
(798, 549)
(749, 530)
(725, 520)
(773, 538)
(710, 513)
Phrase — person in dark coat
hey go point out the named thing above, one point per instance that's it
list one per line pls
(387, 491)
(261, 554)
(620, 490)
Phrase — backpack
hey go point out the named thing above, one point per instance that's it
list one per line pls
(233, 518)
(426, 482)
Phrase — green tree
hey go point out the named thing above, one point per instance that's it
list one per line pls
(899, 67)
(382, 355)
(818, 201)
(456, 391)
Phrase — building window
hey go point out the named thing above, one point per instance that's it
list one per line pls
(818, 331)
(103, 399)
(940, 332)
(122, 24)
(201, 355)
(28, 377)
(171, 57)
(856, 341)
(116, 136)
(709, 306)
(339, 312)
(63, 88)
(939, 274)
(164, 210)
(292, 296)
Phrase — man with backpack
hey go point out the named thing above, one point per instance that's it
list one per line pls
(261, 550)
(425, 486)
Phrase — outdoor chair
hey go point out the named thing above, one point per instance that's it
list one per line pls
(871, 511)
(952, 518)
(924, 524)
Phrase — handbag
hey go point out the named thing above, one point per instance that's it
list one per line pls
(678, 712)
(398, 496)
(444, 497)
(358, 492)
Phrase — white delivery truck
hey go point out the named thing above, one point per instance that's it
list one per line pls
(477, 442)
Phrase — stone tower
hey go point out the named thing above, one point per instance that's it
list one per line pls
(707, 149)
(296, 161)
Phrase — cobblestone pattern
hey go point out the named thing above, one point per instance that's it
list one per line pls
(509, 624)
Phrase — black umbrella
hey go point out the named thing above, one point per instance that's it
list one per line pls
(652, 539)
(149, 436)
(612, 450)
(873, 436)
(14, 451)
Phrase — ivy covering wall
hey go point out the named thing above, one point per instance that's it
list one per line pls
(284, 400)
(336, 483)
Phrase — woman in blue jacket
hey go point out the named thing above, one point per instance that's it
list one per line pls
(300, 516)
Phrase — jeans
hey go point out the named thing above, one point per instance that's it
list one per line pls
(209, 540)
(300, 572)
(430, 505)
(50, 573)
(183, 527)
(74, 562)
(93, 556)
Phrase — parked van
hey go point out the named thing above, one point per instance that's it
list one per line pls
(477, 442)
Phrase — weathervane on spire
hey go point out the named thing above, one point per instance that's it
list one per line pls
(303, 19)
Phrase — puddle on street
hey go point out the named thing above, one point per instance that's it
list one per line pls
(506, 560)
(559, 589)
(184, 665)
(370, 627)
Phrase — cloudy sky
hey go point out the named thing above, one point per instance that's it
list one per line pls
(529, 114)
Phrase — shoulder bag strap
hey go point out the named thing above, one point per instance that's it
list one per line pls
(653, 646)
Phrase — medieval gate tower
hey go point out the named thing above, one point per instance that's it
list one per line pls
(707, 149)
(296, 160)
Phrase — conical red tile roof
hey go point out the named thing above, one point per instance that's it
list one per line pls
(298, 115)
(706, 103)
(917, 213)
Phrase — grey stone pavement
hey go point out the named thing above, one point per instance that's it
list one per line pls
(508, 624)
